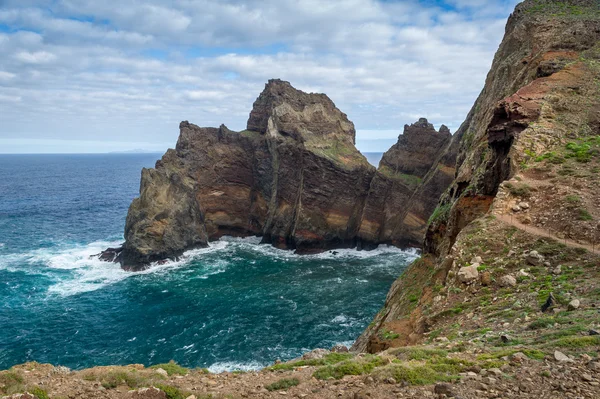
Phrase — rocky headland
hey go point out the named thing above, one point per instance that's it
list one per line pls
(293, 177)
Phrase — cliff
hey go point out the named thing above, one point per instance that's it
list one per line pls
(293, 177)
(526, 178)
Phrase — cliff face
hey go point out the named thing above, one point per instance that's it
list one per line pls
(406, 188)
(293, 177)
(540, 105)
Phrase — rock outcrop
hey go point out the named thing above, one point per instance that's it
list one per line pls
(293, 177)
(540, 93)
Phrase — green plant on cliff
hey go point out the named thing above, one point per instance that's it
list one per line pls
(519, 190)
(330, 358)
(171, 392)
(39, 393)
(358, 366)
(563, 9)
(283, 384)
(171, 368)
(11, 381)
(440, 213)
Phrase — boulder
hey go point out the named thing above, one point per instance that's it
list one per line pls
(468, 274)
(318, 353)
(574, 304)
(162, 372)
(443, 389)
(562, 358)
(534, 258)
(508, 281)
(340, 349)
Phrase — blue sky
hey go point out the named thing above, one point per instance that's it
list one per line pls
(89, 76)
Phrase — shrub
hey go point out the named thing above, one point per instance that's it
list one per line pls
(329, 359)
(283, 384)
(11, 382)
(349, 367)
(39, 393)
(171, 392)
(171, 368)
(519, 190)
(584, 215)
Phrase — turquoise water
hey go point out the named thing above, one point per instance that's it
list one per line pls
(235, 305)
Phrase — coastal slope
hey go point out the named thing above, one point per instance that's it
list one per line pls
(523, 205)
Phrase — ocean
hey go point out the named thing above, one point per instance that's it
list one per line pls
(234, 305)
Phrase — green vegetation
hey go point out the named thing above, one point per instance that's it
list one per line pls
(388, 334)
(580, 151)
(577, 342)
(331, 358)
(410, 180)
(584, 215)
(551, 157)
(39, 393)
(171, 391)
(418, 353)
(440, 213)
(519, 190)
(358, 366)
(11, 381)
(122, 377)
(563, 9)
(573, 199)
(283, 384)
(171, 368)
(542, 322)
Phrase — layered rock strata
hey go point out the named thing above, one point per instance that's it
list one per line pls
(293, 177)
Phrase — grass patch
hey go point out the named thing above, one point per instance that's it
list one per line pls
(114, 378)
(329, 359)
(172, 392)
(519, 190)
(283, 384)
(11, 381)
(440, 213)
(418, 353)
(358, 366)
(576, 342)
(39, 393)
(171, 368)
(584, 215)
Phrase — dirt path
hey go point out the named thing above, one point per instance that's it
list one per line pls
(545, 233)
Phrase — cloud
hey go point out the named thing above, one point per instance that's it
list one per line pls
(90, 71)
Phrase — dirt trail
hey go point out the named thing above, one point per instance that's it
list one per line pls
(545, 233)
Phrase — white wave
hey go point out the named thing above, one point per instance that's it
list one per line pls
(253, 244)
(221, 367)
(93, 274)
(83, 272)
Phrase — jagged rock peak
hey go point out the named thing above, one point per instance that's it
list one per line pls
(282, 110)
(415, 150)
(423, 127)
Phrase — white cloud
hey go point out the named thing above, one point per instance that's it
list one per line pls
(90, 70)
(37, 57)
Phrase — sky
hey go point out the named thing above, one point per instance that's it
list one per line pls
(99, 76)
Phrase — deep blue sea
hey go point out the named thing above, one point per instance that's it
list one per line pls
(235, 305)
